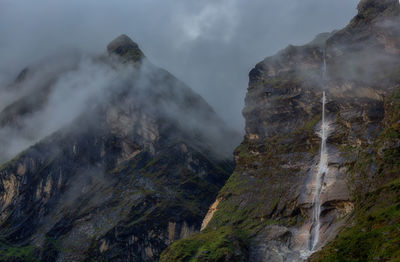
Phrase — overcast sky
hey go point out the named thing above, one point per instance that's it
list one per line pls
(209, 44)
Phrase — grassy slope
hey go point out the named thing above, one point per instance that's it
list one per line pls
(224, 244)
(375, 232)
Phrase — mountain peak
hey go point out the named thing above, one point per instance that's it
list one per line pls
(124, 47)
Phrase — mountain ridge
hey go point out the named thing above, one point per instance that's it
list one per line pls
(123, 179)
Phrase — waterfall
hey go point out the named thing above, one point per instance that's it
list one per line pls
(319, 179)
(322, 170)
(323, 133)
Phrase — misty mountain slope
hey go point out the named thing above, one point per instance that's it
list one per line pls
(32, 86)
(125, 174)
(22, 121)
(265, 211)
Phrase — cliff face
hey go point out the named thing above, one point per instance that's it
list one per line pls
(265, 209)
(136, 170)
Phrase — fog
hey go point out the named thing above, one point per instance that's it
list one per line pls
(73, 87)
(72, 95)
(209, 44)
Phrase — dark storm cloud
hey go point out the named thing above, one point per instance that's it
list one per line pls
(209, 44)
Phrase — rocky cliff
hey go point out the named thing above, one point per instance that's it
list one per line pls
(136, 169)
(264, 212)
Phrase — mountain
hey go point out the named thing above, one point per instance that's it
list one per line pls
(131, 161)
(315, 179)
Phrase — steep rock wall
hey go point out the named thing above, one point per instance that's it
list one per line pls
(267, 202)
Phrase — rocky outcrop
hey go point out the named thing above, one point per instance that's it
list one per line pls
(135, 171)
(210, 214)
(124, 47)
(267, 202)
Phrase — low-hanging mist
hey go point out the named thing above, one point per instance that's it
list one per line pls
(52, 95)
(210, 45)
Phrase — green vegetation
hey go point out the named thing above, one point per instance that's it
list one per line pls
(310, 125)
(17, 253)
(218, 245)
(282, 82)
(375, 235)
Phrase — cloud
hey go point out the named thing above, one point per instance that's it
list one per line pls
(209, 44)
(148, 101)
(214, 20)
(72, 91)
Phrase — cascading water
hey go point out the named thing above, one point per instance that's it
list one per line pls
(314, 232)
(319, 179)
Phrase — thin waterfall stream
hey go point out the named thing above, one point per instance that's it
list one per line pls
(319, 180)
(322, 170)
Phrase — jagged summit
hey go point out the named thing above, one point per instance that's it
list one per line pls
(126, 48)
